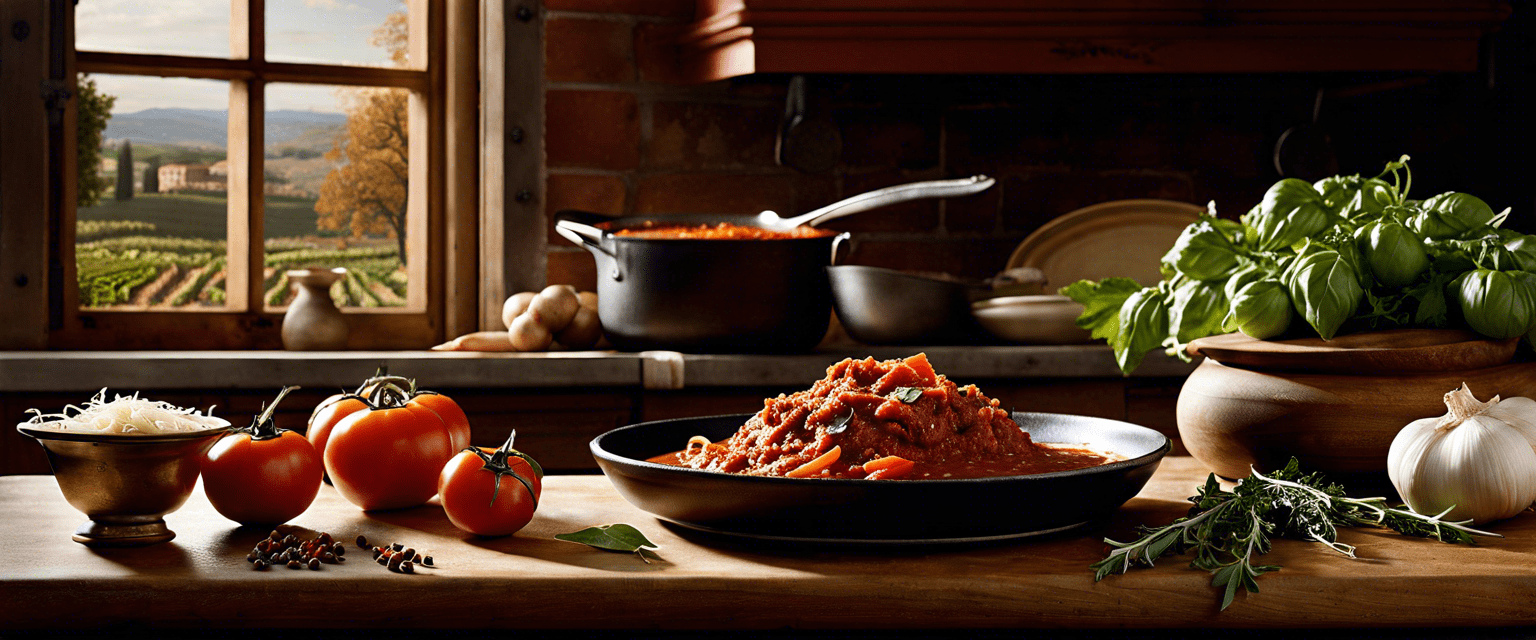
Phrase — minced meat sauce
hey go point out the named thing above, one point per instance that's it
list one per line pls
(717, 231)
(865, 411)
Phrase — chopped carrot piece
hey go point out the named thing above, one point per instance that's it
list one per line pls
(816, 466)
(920, 364)
(888, 468)
(888, 461)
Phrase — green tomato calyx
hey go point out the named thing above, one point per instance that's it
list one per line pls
(499, 464)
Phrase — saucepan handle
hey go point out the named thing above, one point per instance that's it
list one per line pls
(577, 227)
(839, 247)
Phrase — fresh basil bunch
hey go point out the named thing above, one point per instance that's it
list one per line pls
(1346, 253)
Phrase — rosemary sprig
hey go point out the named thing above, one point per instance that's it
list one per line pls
(1226, 529)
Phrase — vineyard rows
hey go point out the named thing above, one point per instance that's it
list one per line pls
(116, 270)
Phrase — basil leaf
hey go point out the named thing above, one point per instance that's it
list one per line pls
(1394, 254)
(1143, 325)
(1195, 311)
(1496, 304)
(1291, 211)
(841, 423)
(1260, 310)
(1201, 252)
(613, 537)
(1101, 304)
(1325, 290)
(907, 395)
(1524, 249)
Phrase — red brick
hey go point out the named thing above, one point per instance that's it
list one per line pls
(917, 216)
(681, 9)
(979, 138)
(711, 136)
(884, 137)
(592, 129)
(574, 267)
(656, 53)
(577, 50)
(714, 193)
(598, 194)
(965, 257)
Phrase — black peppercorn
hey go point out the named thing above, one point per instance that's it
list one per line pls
(362, 541)
(261, 565)
(427, 561)
(338, 549)
(314, 564)
(406, 567)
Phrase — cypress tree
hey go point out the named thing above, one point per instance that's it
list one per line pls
(152, 175)
(125, 172)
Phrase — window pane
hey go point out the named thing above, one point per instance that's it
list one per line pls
(337, 166)
(184, 27)
(353, 32)
(151, 227)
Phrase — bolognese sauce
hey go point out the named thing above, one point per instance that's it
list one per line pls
(882, 420)
(718, 231)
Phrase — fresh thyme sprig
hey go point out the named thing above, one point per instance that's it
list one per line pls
(1226, 529)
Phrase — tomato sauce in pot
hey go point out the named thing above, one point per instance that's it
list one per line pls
(891, 419)
(718, 231)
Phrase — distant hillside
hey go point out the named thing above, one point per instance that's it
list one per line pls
(209, 128)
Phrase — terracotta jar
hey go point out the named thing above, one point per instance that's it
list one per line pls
(1336, 405)
(313, 323)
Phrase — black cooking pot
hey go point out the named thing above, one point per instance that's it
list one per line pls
(708, 295)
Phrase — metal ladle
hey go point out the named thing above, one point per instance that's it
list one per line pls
(876, 199)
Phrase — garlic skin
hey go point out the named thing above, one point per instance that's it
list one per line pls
(1479, 457)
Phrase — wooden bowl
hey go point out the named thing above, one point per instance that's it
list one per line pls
(1335, 406)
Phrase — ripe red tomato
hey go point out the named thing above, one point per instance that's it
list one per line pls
(330, 412)
(389, 455)
(262, 474)
(449, 411)
(491, 492)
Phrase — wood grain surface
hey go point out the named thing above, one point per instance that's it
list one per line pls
(530, 580)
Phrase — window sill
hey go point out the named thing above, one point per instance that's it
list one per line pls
(47, 371)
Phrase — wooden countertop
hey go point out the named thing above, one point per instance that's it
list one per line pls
(530, 580)
(83, 371)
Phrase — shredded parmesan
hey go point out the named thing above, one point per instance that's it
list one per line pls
(126, 415)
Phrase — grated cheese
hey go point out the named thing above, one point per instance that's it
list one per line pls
(126, 415)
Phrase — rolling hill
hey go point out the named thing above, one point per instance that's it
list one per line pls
(210, 128)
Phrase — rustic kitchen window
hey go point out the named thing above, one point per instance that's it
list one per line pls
(249, 139)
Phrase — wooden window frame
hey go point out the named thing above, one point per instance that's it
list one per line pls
(444, 101)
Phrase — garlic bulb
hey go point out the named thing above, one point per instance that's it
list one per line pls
(1480, 457)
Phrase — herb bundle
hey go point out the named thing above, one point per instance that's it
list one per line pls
(1343, 254)
(1226, 529)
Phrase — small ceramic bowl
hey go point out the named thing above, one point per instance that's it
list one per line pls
(125, 484)
(1042, 319)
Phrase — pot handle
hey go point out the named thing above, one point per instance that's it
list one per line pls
(839, 247)
(577, 227)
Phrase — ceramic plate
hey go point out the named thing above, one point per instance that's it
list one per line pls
(879, 511)
(1121, 238)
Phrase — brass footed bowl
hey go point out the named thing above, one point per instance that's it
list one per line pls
(125, 484)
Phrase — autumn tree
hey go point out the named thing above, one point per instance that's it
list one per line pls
(92, 111)
(367, 194)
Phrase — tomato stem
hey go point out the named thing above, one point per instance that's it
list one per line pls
(264, 428)
(497, 463)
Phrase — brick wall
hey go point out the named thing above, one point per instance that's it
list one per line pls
(624, 137)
